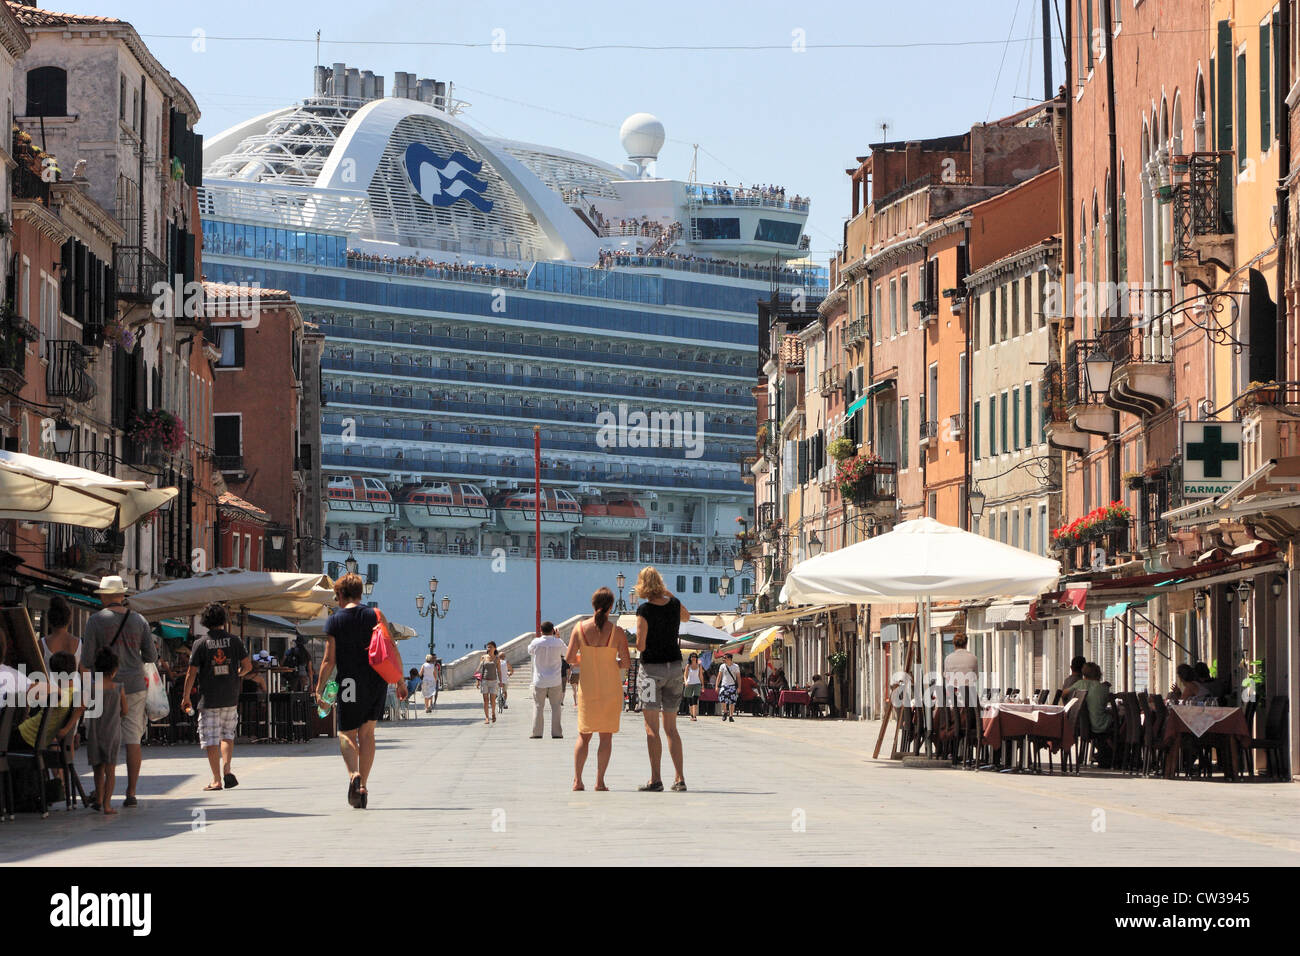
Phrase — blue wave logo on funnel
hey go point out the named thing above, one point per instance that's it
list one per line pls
(443, 182)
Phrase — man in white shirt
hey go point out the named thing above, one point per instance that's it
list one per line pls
(961, 670)
(547, 652)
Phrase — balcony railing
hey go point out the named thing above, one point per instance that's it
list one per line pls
(13, 355)
(830, 380)
(228, 462)
(928, 431)
(957, 425)
(857, 332)
(138, 270)
(878, 485)
(1052, 392)
(1199, 209)
(65, 375)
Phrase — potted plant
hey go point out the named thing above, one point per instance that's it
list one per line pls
(157, 429)
(854, 477)
(840, 449)
(838, 661)
(1263, 393)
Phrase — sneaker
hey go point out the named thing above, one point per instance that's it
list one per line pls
(679, 786)
(655, 787)
(130, 802)
(534, 736)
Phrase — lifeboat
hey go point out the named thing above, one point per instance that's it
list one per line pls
(441, 504)
(614, 519)
(560, 511)
(357, 499)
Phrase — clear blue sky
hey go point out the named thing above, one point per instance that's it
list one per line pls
(773, 115)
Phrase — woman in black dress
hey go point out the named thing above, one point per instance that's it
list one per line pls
(362, 692)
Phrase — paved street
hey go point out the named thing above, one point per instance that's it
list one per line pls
(447, 789)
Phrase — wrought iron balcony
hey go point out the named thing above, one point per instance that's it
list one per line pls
(957, 425)
(65, 373)
(227, 463)
(29, 186)
(1200, 211)
(830, 380)
(877, 487)
(13, 356)
(138, 270)
(928, 430)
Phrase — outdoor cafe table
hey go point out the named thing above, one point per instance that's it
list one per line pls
(791, 698)
(1219, 722)
(1007, 721)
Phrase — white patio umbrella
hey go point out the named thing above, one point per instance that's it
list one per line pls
(297, 597)
(316, 628)
(923, 561)
(694, 633)
(41, 489)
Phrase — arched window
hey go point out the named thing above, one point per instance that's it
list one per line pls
(47, 91)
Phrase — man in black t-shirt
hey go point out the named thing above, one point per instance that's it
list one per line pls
(218, 661)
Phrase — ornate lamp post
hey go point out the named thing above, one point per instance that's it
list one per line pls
(620, 606)
(433, 613)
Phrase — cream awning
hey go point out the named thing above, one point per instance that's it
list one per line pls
(41, 489)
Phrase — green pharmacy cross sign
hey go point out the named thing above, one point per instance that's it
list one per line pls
(1212, 458)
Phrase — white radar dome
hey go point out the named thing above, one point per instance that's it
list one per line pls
(642, 136)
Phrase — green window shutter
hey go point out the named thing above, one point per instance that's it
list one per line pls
(1241, 110)
(1029, 416)
(1223, 112)
(1265, 90)
(1015, 418)
(993, 424)
(1004, 445)
(975, 432)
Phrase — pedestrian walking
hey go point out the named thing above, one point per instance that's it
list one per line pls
(693, 678)
(575, 675)
(601, 649)
(104, 733)
(507, 669)
(128, 634)
(218, 663)
(362, 690)
(547, 652)
(727, 684)
(661, 684)
(429, 682)
(489, 668)
(57, 637)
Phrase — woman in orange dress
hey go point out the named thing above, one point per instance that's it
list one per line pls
(600, 648)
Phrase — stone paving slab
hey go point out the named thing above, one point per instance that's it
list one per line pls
(448, 790)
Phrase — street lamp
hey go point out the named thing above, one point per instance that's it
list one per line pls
(1199, 600)
(976, 501)
(621, 606)
(814, 545)
(1100, 367)
(433, 614)
(1244, 590)
(351, 564)
(64, 432)
(1277, 586)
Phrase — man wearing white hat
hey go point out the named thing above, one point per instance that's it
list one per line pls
(128, 634)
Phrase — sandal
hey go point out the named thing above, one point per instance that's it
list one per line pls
(230, 781)
(679, 786)
(365, 799)
(354, 792)
(213, 786)
(654, 786)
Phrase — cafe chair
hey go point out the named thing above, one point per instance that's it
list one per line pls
(1042, 696)
(1128, 755)
(1273, 743)
(1056, 698)
(6, 780)
(1153, 729)
(1082, 736)
(13, 759)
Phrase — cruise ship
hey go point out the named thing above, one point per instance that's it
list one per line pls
(472, 288)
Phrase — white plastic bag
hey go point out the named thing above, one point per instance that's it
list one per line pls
(156, 706)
